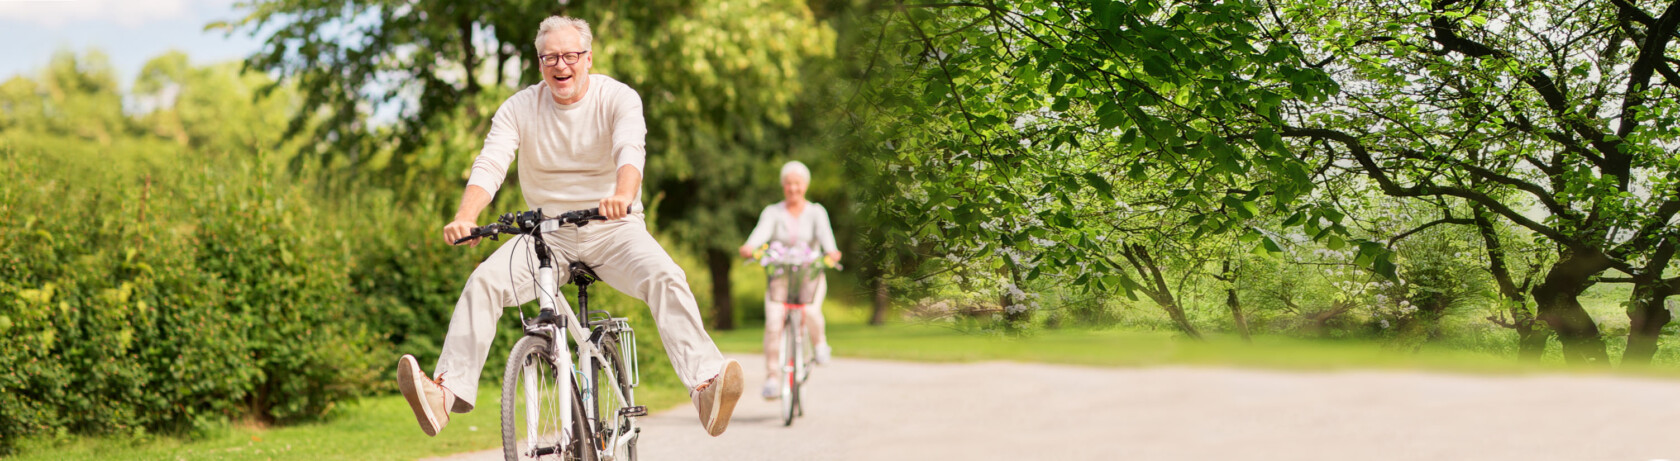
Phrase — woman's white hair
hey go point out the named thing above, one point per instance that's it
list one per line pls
(796, 168)
(556, 22)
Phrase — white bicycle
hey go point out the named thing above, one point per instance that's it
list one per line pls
(792, 273)
(551, 409)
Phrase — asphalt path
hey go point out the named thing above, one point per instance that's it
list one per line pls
(874, 409)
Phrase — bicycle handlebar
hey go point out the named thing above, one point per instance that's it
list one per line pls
(530, 222)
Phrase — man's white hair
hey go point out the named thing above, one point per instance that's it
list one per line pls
(556, 22)
(796, 168)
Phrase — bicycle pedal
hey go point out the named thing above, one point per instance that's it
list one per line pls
(638, 410)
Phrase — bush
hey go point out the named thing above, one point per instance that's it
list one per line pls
(133, 305)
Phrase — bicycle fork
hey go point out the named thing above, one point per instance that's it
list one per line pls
(547, 291)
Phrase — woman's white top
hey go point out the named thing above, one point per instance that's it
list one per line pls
(811, 228)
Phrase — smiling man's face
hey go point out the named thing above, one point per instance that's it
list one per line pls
(567, 82)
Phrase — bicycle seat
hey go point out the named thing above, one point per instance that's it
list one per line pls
(582, 274)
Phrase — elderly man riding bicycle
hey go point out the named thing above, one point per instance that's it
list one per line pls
(580, 139)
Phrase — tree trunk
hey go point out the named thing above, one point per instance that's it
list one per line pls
(879, 316)
(1531, 341)
(1016, 318)
(1230, 278)
(1647, 316)
(1155, 286)
(723, 302)
(469, 54)
(1558, 300)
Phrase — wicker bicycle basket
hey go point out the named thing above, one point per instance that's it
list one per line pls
(804, 287)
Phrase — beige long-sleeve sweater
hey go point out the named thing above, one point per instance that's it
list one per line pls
(569, 155)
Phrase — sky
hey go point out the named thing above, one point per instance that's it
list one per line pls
(130, 32)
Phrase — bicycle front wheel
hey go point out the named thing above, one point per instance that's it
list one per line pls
(534, 403)
(790, 360)
(612, 392)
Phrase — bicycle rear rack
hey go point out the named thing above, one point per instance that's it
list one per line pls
(626, 348)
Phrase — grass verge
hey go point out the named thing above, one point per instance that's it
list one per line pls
(374, 428)
(940, 343)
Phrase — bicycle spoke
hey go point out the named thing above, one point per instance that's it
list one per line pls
(532, 413)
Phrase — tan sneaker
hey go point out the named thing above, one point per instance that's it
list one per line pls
(717, 401)
(428, 398)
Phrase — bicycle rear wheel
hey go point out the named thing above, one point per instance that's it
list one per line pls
(607, 391)
(532, 407)
(790, 359)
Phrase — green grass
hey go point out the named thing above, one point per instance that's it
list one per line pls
(1125, 348)
(376, 428)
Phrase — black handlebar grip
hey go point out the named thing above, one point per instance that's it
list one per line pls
(488, 230)
(579, 216)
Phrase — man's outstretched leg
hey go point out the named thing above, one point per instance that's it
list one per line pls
(429, 399)
(630, 260)
(716, 398)
(493, 286)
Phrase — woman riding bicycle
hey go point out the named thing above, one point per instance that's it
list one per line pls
(793, 222)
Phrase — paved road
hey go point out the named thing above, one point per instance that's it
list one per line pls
(869, 409)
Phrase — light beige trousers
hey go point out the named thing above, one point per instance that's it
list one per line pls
(775, 313)
(626, 257)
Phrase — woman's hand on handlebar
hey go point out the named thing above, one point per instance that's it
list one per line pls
(457, 230)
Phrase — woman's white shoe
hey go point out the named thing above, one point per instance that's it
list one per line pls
(824, 354)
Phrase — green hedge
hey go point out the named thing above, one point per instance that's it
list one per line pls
(146, 301)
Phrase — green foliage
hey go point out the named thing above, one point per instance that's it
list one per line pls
(1079, 141)
(149, 287)
(273, 255)
(160, 303)
(722, 84)
(1557, 118)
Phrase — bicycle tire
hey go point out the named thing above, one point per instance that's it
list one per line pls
(536, 352)
(606, 404)
(802, 357)
(789, 358)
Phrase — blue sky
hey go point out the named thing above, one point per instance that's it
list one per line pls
(130, 32)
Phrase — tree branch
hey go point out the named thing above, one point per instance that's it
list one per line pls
(1650, 57)
(1446, 34)
(1426, 226)
(1539, 193)
(1388, 186)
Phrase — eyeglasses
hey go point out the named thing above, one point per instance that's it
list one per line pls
(550, 60)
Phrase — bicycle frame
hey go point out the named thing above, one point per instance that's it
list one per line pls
(549, 320)
(795, 362)
(804, 365)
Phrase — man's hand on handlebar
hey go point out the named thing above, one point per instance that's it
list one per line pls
(457, 230)
(616, 206)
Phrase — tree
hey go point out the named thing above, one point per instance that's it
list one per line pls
(998, 124)
(75, 96)
(215, 109)
(1522, 109)
(430, 58)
